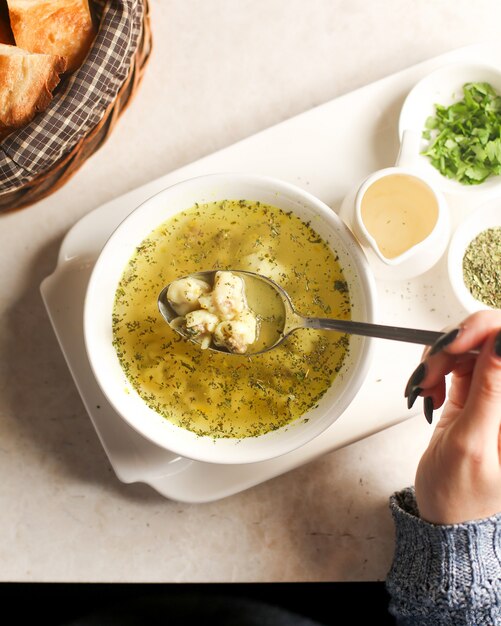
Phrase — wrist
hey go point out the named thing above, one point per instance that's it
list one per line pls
(438, 567)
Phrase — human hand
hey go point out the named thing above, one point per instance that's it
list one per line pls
(459, 476)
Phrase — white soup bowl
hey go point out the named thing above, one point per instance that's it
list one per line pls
(108, 271)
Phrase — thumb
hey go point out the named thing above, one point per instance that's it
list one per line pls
(483, 405)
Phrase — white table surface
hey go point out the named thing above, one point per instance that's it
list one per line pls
(220, 71)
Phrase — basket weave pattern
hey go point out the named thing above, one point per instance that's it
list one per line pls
(40, 158)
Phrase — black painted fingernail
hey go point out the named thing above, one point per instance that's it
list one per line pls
(444, 341)
(428, 408)
(416, 378)
(413, 394)
(497, 344)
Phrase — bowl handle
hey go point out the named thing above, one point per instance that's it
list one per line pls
(409, 149)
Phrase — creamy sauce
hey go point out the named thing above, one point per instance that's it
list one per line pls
(399, 211)
(217, 394)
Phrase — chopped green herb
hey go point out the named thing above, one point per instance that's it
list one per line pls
(465, 137)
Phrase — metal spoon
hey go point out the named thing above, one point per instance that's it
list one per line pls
(278, 318)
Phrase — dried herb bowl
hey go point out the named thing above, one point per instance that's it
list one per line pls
(478, 285)
(39, 158)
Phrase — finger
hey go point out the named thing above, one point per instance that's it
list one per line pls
(430, 372)
(445, 338)
(483, 405)
(433, 398)
(470, 334)
(436, 394)
(457, 342)
(449, 354)
(460, 387)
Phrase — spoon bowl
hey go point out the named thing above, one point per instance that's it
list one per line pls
(267, 300)
(277, 317)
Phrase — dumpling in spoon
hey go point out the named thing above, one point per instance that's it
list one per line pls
(227, 299)
(237, 334)
(184, 294)
(220, 315)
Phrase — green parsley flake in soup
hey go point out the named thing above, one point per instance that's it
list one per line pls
(216, 394)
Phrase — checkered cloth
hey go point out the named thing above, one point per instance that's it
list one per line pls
(80, 102)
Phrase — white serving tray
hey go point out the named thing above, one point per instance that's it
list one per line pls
(326, 150)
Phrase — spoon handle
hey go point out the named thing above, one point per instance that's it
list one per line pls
(411, 335)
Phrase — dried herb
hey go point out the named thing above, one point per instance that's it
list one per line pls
(482, 267)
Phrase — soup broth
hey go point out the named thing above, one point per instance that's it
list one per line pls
(221, 395)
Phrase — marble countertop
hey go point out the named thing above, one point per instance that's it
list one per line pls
(220, 71)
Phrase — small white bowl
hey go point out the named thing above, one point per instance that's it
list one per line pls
(417, 259)
(486, 216)
(444, 86)
(108, 271)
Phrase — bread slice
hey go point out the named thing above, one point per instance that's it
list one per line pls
(26, 84)
(61, 27)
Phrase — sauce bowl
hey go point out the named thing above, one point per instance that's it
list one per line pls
(108, 270)
(410, 215)
(487, 215)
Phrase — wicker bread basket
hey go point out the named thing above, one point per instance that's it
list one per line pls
(39, 158)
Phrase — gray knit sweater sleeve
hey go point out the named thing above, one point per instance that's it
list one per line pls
(444, 575)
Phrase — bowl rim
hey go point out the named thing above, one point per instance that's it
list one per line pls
(256, 454)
